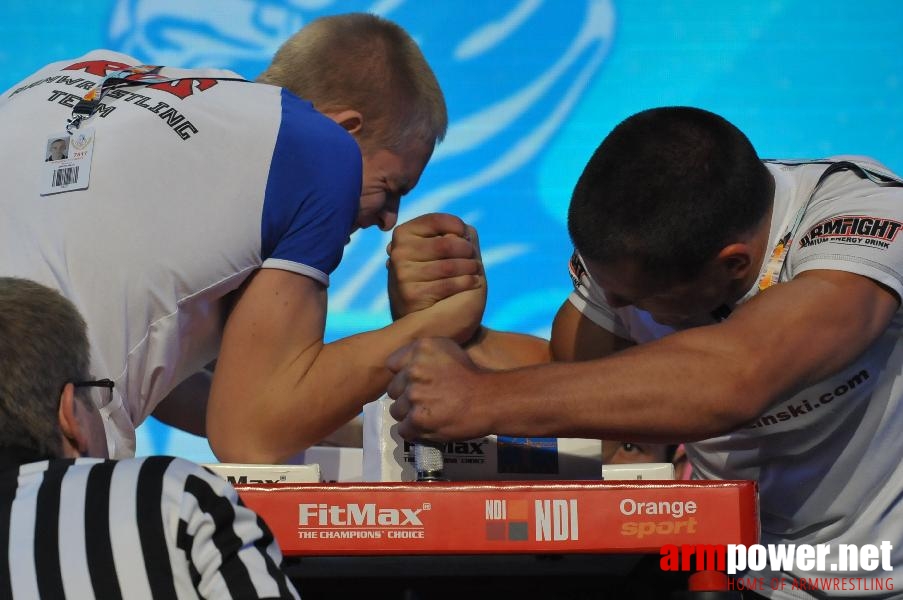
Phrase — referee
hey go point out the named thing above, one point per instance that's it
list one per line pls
(74, 527)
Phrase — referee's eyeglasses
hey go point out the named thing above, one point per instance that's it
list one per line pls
(106, 395)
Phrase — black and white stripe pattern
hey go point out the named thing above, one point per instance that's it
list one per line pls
(150, 528)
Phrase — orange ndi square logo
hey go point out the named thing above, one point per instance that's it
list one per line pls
(506, 520)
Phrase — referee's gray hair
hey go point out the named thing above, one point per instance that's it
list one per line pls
(362, 62)
(43, 346)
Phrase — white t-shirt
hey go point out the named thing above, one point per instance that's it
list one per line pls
(195, 183)
(829, 460)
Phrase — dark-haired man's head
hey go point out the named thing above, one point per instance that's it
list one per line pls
(669, 210)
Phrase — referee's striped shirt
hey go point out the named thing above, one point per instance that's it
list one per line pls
(150, 528)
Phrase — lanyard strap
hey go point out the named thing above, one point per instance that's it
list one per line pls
(779, 254)
(90, 102)
(131, 77)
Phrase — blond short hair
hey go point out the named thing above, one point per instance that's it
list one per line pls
(362, 62)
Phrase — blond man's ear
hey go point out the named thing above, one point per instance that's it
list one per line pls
(350, 120)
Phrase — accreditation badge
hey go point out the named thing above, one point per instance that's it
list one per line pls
(67, 161)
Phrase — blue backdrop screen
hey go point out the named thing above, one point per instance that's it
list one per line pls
(532, 87)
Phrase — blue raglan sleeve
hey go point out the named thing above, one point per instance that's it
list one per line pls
(312, 193)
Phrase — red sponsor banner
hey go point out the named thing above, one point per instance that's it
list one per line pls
(504, 517)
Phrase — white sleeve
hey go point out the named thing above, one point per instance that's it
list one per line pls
(852, 224)
(628, 322)
(589, 299)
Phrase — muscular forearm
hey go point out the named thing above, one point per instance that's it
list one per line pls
(349, 373)
(682, 388)
(503, 350)
(314, 393)
(690, 385)
(697, 383)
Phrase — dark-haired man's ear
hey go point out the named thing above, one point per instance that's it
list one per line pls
(350, 120)
(737, 260)
(74, 442)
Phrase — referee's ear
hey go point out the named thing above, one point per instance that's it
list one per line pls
(73, 441)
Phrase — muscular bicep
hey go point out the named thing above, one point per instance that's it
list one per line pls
(276, 327)
(575, 337)
(797, 333)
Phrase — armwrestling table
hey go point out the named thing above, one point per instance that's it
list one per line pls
(436, 540)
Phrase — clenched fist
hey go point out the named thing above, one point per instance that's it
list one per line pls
(436, 392)
(431, 258)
